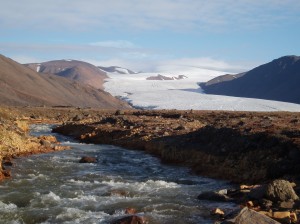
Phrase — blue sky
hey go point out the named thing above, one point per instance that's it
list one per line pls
(143, 35)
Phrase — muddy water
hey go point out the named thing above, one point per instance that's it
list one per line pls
(55, 188)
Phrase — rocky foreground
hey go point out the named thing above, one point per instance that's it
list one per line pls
(248, 148)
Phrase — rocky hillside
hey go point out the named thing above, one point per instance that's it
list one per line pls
(21, 86)
(75, 70)
(276, 80)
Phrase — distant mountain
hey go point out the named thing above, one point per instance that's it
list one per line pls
(116, 69)
(21, 86)
(277, 80)
(75, 70)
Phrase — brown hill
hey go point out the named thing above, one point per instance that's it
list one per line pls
(21, 86)
(277, 80)
(75, 70)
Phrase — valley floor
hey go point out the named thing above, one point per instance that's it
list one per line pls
(242, 147)
(238, 146)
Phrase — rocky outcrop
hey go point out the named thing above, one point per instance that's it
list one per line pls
(256, 200)
(280, 190)
(248, 216)
(15, 140)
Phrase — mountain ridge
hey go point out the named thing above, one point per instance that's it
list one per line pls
(275, 80)
(22, 86)
(72, 69)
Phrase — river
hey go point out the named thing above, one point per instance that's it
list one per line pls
(56, 188)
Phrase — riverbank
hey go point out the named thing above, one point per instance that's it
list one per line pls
(243, 147)
(15, 140)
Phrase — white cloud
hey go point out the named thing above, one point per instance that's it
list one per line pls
(205, 62)
(181, 64)
(138, 59)
(145, 14)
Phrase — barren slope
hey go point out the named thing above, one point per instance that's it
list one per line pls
(72, 69)
(276, 80)
(20, 86)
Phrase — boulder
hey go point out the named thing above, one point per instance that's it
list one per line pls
(130, 211)
(7, 161)
(45, 143)
(213, 196)
(280, 190)
(265, 204)
(49, 138)
(248, 216)
(257, 192)
(87, 159)
(132, 219)
(217, 212)
(286, 204)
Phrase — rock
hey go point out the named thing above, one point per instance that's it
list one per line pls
(180, 127)
(293, 217)
(265, 204)
(87, 159)
(297, 205)
(49, 138)
(230, 217)
(120, 193)
(109, 120)
(133, 219)
(6, 161)
(119, 112)
(45, 143)
(217, 212)
(6, 173)
(280, 190)
(282, 217)
(257, 192)
(77, 117)
(213, 196)
(248, 216)
(286, 204)
(249, 204)
(130, 211)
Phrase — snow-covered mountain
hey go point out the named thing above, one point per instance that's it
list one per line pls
(116, 70)
(183, 93)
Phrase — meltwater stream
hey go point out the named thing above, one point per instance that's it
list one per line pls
(56, 188)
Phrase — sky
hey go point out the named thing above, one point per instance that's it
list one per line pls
(150, 35)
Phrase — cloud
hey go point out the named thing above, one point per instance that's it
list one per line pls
(141, 15)
(114, 44)
(181, 64)
(137, 59)
(204, 63)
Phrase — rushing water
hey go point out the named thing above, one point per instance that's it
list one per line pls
(55, 188)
